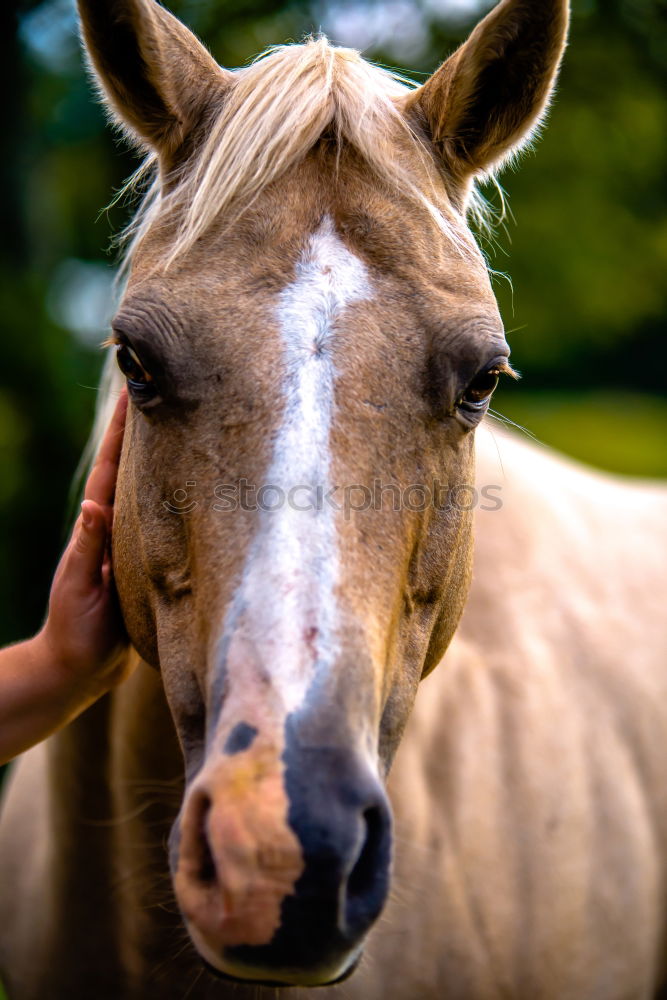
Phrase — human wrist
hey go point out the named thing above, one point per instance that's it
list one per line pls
(54, 663)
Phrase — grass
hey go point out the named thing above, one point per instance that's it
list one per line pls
(618, 431)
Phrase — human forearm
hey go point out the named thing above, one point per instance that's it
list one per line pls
(38, 695)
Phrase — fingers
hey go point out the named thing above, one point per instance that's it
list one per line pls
(87, 557)
(102, 479)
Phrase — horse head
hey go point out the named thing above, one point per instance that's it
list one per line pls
(309, 339)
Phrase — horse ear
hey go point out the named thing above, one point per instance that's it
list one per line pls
(157, 78)
(486, 100)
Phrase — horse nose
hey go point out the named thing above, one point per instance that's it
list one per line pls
(283, 887)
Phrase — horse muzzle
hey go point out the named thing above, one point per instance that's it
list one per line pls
(282, 862)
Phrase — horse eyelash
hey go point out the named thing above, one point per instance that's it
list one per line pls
(505, 368)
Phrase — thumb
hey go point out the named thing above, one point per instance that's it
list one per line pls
(89, 546)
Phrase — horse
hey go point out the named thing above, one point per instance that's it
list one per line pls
(310, 343)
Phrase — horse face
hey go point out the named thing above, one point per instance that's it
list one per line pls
(291, 545)
(282, 552)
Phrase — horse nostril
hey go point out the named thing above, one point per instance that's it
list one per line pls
(367, 881)
(204, 862)
(361, 876)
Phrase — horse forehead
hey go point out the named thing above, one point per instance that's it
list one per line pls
(328, 277)
(352, 286)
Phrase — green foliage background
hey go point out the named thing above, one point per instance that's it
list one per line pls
(587, 255)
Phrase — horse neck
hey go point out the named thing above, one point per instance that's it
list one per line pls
(115, 780)
(146, 778)
(80, 875)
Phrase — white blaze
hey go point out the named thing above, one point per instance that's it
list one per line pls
(285, 610)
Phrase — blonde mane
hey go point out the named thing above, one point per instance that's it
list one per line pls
(275, 111)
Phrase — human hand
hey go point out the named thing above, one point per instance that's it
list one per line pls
(83, 635)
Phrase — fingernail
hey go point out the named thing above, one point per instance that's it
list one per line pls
(86, 517)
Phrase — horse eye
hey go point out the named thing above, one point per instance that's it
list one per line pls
(138, 379)
(481, 388)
